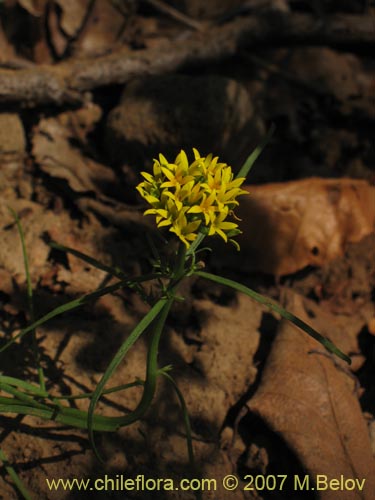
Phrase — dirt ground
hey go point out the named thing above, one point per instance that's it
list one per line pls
(90, 93)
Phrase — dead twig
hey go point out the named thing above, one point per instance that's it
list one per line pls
(67, 81)
(176, 14)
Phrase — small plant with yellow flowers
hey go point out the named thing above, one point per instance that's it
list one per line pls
(193, 201)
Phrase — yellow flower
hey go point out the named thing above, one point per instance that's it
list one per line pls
(185, 230)
(192, 198)
(206, 207)
(219, 226)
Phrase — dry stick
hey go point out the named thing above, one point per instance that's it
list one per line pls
(275, 69)
(68, 81)
(176, 14)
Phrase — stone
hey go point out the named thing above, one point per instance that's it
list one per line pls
(173, 112)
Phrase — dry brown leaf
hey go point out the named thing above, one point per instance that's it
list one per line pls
(34, 7)
(57, 37)
(102, 30)
(53, 150)
(36, 221)
(288, 226)
(72, 15)
(312, 404)
(26, 28)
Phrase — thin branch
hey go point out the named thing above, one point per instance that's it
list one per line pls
(176, 14)
(67, 81)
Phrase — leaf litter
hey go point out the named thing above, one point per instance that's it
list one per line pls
(313, 405)
(53, 177)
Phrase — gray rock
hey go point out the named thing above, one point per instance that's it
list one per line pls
(173, 112)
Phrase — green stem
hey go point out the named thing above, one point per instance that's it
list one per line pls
(30, 301)
(63, 415)
(152, 356)
(74, 304)
(180, 262)
(22, 397)
(15, 477)
(152, 368)
(185, 413)
(152, 371)
(330, 346)
(112, 271)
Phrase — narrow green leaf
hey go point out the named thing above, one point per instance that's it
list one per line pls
(90, 260)
(185, 414)
(14, 476)
(25, 259)
(30, 388)
(330, 346)
(29, 298)
(111, 390)
(198, 240)
(77, 419)
(69, 306)
(246, 167)
(22, 397)
(132, 338)
(74, 304)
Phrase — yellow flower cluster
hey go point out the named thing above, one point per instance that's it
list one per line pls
(192, 198)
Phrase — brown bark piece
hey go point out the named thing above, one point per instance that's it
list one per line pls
(288, 226)
(312, 404)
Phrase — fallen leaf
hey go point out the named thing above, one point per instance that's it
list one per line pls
(288, 226)
(72, 15)
(34, 7)
(58, 144)
(53, 150)
(102, 31)
(311, 402)
(57, 37)
(36, 221)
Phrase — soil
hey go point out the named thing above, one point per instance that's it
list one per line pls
(264, 399)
